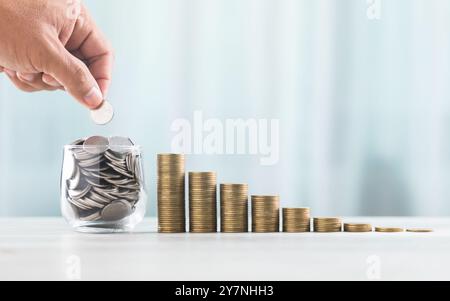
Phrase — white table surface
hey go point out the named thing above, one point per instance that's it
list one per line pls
(47, 249)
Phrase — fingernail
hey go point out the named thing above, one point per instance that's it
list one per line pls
(26, 76)
(10, 72)
(94, 98)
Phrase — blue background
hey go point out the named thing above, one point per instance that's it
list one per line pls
(363, 104)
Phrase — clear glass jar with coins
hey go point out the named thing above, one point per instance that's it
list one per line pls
(102, 185)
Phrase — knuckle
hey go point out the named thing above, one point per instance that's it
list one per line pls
(79, 74)
(77, 78)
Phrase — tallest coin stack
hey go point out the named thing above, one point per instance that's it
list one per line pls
(171, 194)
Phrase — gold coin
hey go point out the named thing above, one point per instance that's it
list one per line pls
(265, 213)
(296, 220)
(419, 230)
(327, 224)
(388, 229)
(171, 193)
(202, 202)
(348, 227)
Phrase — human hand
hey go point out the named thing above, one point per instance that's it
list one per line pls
(54, 44)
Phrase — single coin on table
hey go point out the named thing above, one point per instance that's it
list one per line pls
(103, 114)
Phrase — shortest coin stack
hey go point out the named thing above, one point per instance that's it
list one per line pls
(327, 224)
(357, 227)
(296, 220)
(265, 214)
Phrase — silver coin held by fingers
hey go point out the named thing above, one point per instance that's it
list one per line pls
(103, 114)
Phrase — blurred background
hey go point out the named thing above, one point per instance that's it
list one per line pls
(363, 102)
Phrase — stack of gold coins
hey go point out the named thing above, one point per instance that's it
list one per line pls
(296, 220)
(265, 214)
(233, 208)
(327, 224)
(171, 194)
(389, 229)
(357, 227)
(202, 202)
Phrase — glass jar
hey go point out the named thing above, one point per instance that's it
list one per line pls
(102, 188)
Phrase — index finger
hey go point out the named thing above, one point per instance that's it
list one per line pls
(89, 43)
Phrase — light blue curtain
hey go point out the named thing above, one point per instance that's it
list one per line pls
(363, 104)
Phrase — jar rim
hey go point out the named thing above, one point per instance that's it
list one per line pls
(127, 147)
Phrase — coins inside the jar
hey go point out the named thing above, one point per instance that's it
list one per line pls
(103, 185)
(233, 208)
(352, 227)
(171, 193)
(389, 229)
(202, 202)
(327, 224)
(296, 220)
(265, 214)
(103, 114)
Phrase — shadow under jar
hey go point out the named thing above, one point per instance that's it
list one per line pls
(102, 186)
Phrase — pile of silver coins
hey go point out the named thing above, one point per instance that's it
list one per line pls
(103, 178)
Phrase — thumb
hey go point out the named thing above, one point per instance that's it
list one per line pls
(75, 76)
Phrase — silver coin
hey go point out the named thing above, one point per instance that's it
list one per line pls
(132, 196)
(85, 172)
(108, 175)
(118, 182)
(91, 162)
(120, 170)
(81, 155)
(75, 180)
(120, 145)
(116, 211)
(130, 186)
(97, 169)
(95, 183)
(88, 202)
(107, 190)
(137, 170)
(103, 114)
(114, 156)
(79, 204)
(96, 145)
(91, 218)
(121, 165)
(96, 197)
(78, 194)
(105, 193)
(69, 167)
